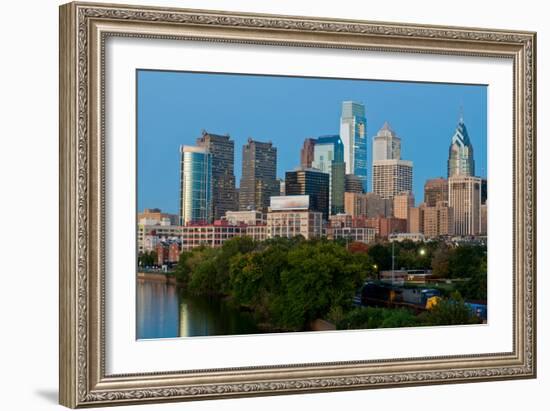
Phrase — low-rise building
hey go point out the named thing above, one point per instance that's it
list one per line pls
(387, 225)
(290, 216)
(257, 232)
(168, 253)
(155, 216)
(251, 217)
(148, 236)
(360, 234)
(212, 235)
(341, 220)
(399, 237)
(292, 223)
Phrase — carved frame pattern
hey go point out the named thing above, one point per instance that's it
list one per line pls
(82, 378)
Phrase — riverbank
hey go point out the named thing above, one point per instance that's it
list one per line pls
(168, 278)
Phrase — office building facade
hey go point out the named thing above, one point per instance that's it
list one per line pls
(353, 184)
(329, 158)
(436, 189)
(259, 179)
(438, 220)
(461, 153)
(222, 150)
(353, 132)
(415, 221)
(312, 182)
(195, 185)
(391, 177)
(307, 152)
(355, 204)
(402, 202)
(386, 144)
(378, 206)
(465, 202)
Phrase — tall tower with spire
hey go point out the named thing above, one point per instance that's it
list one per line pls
(461, 152)
(390, 175)
(386, 144)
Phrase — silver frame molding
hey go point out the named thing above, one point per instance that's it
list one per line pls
(83, 30)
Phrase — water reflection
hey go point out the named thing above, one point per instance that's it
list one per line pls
(163, 312)
(157, 310)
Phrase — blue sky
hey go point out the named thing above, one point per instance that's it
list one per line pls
(173, 108)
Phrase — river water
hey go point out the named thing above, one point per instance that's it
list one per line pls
(163, 311)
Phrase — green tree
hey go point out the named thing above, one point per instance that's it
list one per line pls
(203, 277)
(321, 277)
(147, 259)
(182, 270)
(440, 262)
(381, 255)
(377, 317)
(465, 261)
(475, 288)
(449, 311)
(229, 249)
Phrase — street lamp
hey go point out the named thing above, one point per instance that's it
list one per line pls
(422, 251)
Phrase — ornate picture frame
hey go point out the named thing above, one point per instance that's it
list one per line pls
(84, 29)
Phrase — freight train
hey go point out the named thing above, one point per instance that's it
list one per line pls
(381, 294)
(387, 295)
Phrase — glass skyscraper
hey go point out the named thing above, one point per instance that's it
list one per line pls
(195, 185)
(222, 149)
(461, 153)
(315, 183)
(353, 132)
(328, 156)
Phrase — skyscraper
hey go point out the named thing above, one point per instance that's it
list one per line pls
(386, 144)
(402, 202)
(390, 174)
(438, 220)
(355, 204)
(222, 149)
(465, 202)
(338, 178)
(353, 132)
(391, 177)
(312, 182)
(353, 184)
(259, 176)
(195, 185)
(415, 222)
(306, 153)
(483, 190)
(436, 189)
(329, 158)
(461, 153)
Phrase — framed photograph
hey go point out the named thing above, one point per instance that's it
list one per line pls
(260, 204)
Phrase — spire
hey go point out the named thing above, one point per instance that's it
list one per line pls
(461, 115)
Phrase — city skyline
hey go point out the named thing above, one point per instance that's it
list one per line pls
(420, 126)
